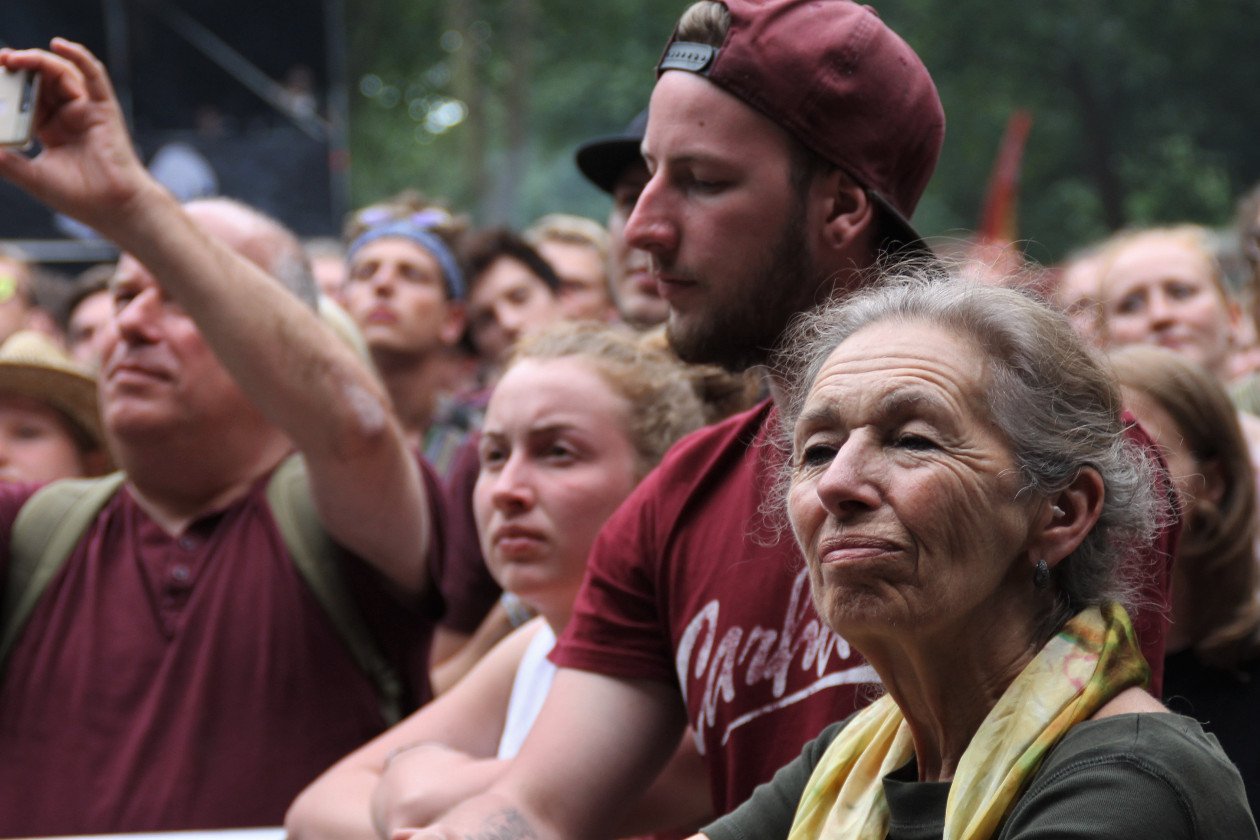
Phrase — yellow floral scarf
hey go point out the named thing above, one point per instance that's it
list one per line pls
(1092, 659)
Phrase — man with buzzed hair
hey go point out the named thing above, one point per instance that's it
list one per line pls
(178, 670)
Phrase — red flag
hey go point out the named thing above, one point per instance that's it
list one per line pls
(997, 220)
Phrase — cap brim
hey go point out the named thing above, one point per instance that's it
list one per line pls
(899, 239)
(604, 159)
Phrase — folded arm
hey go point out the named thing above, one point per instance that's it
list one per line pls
(437, 756)
(596, 739)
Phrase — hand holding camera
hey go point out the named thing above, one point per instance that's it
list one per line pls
(19, 90)
(87, 167)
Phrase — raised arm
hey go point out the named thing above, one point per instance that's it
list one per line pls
(368, 490)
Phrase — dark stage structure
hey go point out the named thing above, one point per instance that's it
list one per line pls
(243, 98)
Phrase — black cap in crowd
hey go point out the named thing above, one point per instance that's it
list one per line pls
(603, 159)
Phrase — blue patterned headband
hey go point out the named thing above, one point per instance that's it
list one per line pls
(418, 229)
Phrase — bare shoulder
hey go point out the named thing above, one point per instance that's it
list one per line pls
(1130, 701)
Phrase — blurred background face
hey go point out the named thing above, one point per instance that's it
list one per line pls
(634, 289)
(556, 461)
(1161, 290)
(583, 291)
(14, 296)
(1200, 488)
(85, 331)
(330, 274)
(37, 443)
(1077, 296)
(1249, 242)
(396, 293)
(506, 302)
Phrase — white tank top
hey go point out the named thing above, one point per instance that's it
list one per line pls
(529, 690)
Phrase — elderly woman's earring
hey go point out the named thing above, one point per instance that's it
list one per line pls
(1041, 574)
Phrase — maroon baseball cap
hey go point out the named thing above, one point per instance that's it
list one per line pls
(835, 77)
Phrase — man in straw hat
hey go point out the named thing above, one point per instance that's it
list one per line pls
(178, 671)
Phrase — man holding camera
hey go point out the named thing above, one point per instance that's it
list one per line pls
(176, 670)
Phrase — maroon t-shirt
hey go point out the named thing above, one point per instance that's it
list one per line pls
(690, 582)
(469, 588)
(187, 682)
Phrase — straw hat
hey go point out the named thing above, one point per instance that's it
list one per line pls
(32, 366)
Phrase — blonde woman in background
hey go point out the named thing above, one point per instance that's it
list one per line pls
(1212, 669)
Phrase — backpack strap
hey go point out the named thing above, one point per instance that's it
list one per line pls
(47, 528)
(55, 518)
(315, 555)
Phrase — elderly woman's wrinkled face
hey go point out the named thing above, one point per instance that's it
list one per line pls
(903, 492)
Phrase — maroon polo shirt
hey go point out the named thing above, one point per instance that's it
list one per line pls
(191, 681)
(469, 588)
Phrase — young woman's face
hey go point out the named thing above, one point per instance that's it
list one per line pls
(1160, 290)
(556, 461)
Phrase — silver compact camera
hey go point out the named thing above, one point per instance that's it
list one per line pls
(18, 93)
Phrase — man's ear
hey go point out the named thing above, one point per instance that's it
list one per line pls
(849, 211)
(453, 325)
(1067, 517)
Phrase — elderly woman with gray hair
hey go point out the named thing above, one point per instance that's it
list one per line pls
(965, 498)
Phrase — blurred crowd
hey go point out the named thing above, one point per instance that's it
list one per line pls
(434, 422)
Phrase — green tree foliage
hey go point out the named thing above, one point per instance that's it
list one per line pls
(518, 83)
(1142, 112)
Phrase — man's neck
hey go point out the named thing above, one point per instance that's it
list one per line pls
(179, 482)
(413, 383)
(850, 274)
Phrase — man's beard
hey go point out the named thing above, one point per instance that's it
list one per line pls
(748, 332)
